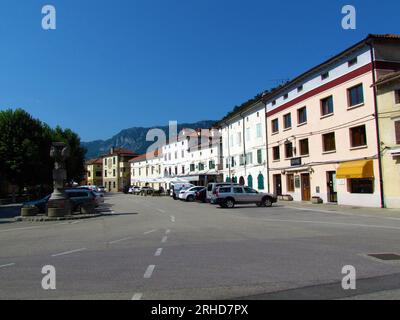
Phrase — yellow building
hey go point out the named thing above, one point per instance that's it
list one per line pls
(116, 169)
(94, 172)
(388, 96)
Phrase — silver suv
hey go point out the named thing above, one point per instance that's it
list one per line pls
(229, 196)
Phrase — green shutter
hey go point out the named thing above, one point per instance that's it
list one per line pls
(250, 181)
(260, 182)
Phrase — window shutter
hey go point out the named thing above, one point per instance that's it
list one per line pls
(397, 130)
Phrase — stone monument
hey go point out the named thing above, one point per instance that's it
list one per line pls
(59, 205)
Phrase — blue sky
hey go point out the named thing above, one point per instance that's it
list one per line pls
(116, 64)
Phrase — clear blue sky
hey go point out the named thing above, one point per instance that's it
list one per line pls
(116, 64)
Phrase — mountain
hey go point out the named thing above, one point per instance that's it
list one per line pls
(134, 139)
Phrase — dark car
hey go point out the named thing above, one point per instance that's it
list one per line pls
(201, 195)
(80, 198)
(40, 204)
(126, 189)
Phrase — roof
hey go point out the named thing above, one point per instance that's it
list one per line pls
(387, 78)
(269, 94)
(147, 156)
(94, 161)
(121, 152)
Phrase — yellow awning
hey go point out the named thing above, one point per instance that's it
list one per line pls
(359, 169)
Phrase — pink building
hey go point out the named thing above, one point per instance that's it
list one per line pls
(322, 130)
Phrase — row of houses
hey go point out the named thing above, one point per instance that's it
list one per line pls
(332, 132)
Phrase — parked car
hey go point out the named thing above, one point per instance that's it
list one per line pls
(136, 190)
(177, 187)
(101, 189)
(99, 198)
(189, 194)
(201, 195)
(125, 189)
(81, 197)
(40, 204)
(229, 196)
(212, 187)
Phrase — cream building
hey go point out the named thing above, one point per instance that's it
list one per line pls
(116, 169)
(388, 93)
(322, 129)
(94, 172)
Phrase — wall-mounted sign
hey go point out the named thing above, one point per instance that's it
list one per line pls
(295, 162)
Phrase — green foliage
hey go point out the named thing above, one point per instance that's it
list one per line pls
(25, 149)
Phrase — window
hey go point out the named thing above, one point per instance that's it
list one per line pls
(233, 162)
(290, 182)
(88, 174)
(327, 106)
(258, 129)
(300, 88)
(113, 160)
(287, 121)
(241, 160)
(276, 153)
(249, 158)
(285, 96)
(211, 164)
(325, 76)
(114, 184)
(231, 141)
(183, 169)
(237, 190)
(250, 181)
(358, 136)
(304, 151)
(183, 153)
(201, 166)
(288, 150)
(250, 190)
(113, 172)
(274, 102)
(397, 96)
(98, 174)
(105, 161)
(328, 142)
(275, 125)
(259, 156)
(397, 131)
(302, 115)
(352, 62)
(239, 138)
(361, 185)
(192, 167)
(355, 95)
(176, 154)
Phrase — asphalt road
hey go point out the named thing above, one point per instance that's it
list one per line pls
(158, 248)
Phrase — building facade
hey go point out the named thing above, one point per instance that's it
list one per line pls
(94, 172)
(388, 93)
(146, 170)
(322, 128)
(116, 169)
(244, 146)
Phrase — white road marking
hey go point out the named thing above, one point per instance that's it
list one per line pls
(68, 252)
(137, 296)
(151, 231)
(7, 265)
(158, 252)
(164, 239)
(161, 210)
(75, 222)
(16, 229)
(149, 271)
(173, 218)
(120, 240)
(168, 231)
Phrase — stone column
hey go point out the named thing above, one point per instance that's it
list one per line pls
(59, 205)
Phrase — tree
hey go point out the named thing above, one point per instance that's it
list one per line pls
(22, 143)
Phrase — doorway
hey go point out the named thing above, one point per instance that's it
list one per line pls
(305, 187)
(331, 183)
(278, 184)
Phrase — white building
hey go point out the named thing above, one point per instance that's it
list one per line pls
(244, 145)
(146, 170)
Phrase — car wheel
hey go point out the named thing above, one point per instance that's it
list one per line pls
(267, 202)
(190, 198)
(230, 203)
(77, 209)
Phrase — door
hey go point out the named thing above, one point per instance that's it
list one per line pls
(239, 195)
(331, 183)
(305, 187)
(278, 184)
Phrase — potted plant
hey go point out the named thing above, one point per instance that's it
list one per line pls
(316, 200)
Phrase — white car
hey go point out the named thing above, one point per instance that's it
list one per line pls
(189, 194)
